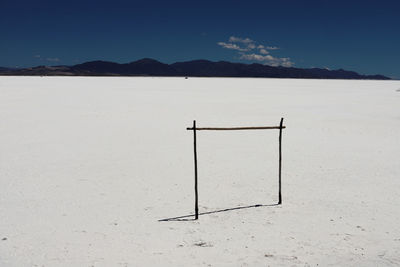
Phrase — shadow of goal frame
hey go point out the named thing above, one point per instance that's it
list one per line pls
(195, 129)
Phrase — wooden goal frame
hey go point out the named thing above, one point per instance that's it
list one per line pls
(195, 129)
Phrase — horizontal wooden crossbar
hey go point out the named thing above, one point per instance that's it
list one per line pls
(234, 128)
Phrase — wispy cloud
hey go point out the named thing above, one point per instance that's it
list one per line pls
(267, 47)
(268, 59)
(48, 59)
(234, 39)
(251, 46)
(53, 59)
(250, 50)
(231, 46)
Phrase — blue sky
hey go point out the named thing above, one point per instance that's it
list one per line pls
(354, 35)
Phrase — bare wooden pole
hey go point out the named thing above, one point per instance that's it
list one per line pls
(280, 161)
(236, 128)
(196, 193)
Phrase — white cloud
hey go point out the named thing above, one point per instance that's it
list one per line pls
(266, 48)
(49, 59)
(268, 59)
(251, 46)
(243, 45)
(234, 39)
(255, 57)
(231, 46)
(53, 59)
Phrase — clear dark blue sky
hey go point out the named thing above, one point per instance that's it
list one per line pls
(356, 35)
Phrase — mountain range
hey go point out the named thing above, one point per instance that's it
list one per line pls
(195, 68)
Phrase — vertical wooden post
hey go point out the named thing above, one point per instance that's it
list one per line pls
(196, 195)
(280, 162)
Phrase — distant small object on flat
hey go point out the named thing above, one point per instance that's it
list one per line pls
(186, 78)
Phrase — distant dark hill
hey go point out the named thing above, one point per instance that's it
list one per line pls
(146, 66)
(3, 69)
(195, 68)
(41, 70)
(150, 67)
(331, 74)
(204, 68)
(98, 67)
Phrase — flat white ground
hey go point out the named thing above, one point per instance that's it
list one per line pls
(88, 167)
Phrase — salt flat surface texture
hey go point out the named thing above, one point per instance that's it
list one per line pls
(88, 167)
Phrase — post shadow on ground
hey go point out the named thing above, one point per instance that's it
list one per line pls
(189, 217)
